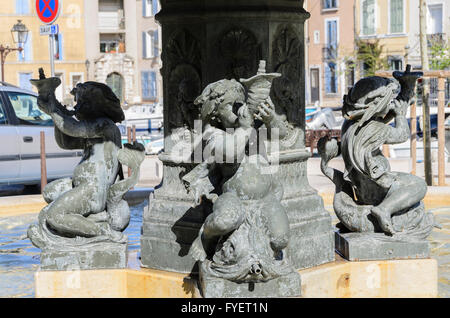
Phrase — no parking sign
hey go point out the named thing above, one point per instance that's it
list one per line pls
(48, 10)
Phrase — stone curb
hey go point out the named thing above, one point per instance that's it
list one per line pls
(30, 204)
(437, 197)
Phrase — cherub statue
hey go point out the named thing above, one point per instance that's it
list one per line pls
(369, 196)
(242, 240)
(88, 208)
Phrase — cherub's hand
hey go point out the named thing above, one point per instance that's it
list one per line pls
(266, 111)
(400, 107)
(47, 103)
(132, 158)
(244, 117)
(199, 188)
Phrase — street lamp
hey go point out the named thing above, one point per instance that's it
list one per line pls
(88, 64)
(20, 35)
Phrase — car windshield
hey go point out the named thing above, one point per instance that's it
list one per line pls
(27, 110)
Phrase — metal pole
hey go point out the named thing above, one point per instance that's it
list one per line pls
(414, 138)
(43, 163)
(426, 90)
(441, 131)
(427, 133)
(3, 64)
(51, 43)
(129, 141)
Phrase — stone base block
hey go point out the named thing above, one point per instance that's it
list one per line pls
(114, 283)
(168, 232)
(100, 256)
(417, 278)
(377, 246)
(282, 287)
(341, 278)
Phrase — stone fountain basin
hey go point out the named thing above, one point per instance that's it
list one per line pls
(19, 260)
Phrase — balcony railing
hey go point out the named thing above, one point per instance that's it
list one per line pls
(329, 53)
(436, 37)
(111, 21)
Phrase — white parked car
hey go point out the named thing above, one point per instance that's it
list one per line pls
(21, 122)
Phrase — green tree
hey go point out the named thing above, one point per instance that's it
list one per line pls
(439, 55)
(369, 54)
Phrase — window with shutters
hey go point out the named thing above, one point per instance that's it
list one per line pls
(149, 85)
(150, 44)
(112, 43)
(111, 15)
(331, 78)
(395, 63)
(368, 18)
(435, 19)
(150, 8)
(23, 6)
(329, 4)
(396, 15)
(331, 31)
(24, 81)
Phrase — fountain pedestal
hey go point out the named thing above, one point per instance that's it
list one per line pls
(205, 41)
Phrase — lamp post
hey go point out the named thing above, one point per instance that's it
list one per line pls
(20, 35)
(88, 64)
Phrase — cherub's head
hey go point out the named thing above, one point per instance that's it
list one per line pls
(96, 100)
(371, 97)
(220, 101)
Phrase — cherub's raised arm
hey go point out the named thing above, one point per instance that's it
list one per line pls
(400, 133)
(75, 128)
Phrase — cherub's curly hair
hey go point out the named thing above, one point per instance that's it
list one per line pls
(217, 93)
(361, 102)
(96, 100)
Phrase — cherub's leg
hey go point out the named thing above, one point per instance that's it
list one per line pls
(56, 188)
(406, 191)
(277, 223)
(66, 213)
(228, 215)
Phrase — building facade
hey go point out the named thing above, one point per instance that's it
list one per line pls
(438, 27)
(122, 48)
(330, 51)
(149, 52)
(387, 21)
(69, 48)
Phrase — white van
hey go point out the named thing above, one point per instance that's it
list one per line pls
(21, 122)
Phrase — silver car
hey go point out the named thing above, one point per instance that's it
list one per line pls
(21, 122)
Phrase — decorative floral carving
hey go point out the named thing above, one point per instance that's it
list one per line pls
(287, 60)
(182, 57)
(241, 52)
(184, 81)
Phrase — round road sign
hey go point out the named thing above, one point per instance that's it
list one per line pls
(48, 10)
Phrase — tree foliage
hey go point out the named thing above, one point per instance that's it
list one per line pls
(369, 53)
(439, 55)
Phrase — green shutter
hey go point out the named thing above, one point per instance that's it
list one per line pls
(22, 7)
(396, 16)
(368, 17)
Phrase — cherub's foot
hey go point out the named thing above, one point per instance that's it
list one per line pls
(197, 251)
(114, 236)
(384, 220)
